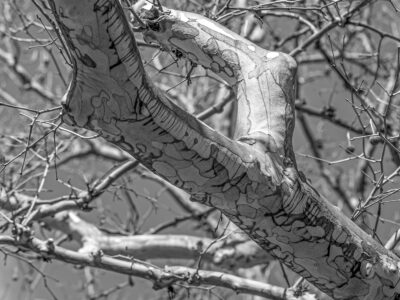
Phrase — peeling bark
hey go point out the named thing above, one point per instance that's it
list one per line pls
(252, 179)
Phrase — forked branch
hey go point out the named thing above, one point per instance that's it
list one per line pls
(252, 179)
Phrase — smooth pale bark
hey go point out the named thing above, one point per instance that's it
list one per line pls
(253, 179)
(226, 254)
(161, 277)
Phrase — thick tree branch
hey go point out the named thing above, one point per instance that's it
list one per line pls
(253, 179)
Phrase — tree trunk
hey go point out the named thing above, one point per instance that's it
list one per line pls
(253, 178)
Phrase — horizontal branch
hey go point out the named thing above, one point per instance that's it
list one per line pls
(161, 278)
(230, 254)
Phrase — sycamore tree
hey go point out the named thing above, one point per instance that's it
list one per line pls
(146, 142)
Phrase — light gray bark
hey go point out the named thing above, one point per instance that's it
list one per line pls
(252, 179)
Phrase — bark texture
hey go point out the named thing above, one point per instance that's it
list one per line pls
(253, 178)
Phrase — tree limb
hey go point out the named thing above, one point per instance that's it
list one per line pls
(161, 278)
(253, 179)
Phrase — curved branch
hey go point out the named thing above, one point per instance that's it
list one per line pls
(253, 180)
